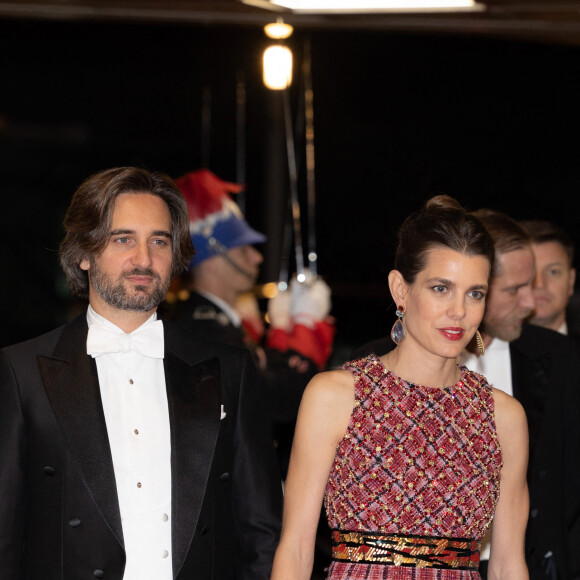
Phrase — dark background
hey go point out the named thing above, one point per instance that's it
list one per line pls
(398, 118)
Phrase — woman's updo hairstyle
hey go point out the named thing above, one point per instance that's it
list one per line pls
(441, 222)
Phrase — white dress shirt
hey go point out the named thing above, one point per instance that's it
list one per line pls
(496, 366)
(136, 413)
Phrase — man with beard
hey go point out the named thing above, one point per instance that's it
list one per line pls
(130, 450)
(536, 366)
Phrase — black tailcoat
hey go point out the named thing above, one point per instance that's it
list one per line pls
(59, 512)
(282, 375)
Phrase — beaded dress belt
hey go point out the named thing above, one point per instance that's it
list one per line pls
(403, 550)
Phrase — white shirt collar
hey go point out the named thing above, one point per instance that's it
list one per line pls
(93, 318)
(234, 317)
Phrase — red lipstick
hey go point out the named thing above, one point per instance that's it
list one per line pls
(452, 333)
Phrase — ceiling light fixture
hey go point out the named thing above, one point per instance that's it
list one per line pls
(277, 67)
(278, 57)
(278, 30)
(371, 6)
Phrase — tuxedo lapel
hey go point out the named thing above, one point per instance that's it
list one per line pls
(194, 395)
(530, 359)
(194, 399)
(71, 383)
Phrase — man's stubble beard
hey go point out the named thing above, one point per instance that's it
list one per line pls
(507, 333)
(114, 293)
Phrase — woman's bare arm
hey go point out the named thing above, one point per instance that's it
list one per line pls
(323, 418)
(507, 560)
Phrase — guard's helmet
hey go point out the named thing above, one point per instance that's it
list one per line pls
(216, 223)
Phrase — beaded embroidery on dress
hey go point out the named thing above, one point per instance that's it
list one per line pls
(415, 461)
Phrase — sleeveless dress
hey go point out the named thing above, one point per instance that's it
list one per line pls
(414, 461)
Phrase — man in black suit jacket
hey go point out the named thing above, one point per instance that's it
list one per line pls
(555, 277)
(536, 366)
(222, 278)
(544, 379)
(191, 489)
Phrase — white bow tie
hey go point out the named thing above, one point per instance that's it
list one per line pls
(147, 340)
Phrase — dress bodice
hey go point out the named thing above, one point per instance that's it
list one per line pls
(416, 460)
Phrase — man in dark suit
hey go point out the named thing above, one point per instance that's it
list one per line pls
(130, 450)
(536, 366)
(221, 303)
(555, 277)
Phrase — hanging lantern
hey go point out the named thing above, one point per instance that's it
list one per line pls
(278, 57)
(277, 67)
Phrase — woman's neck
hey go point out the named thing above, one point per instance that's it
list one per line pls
(420, 367)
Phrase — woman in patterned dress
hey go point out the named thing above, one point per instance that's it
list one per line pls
(413, 456)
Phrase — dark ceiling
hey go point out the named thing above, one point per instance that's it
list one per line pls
(551, 21)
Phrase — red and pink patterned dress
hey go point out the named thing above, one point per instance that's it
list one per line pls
(419, 466)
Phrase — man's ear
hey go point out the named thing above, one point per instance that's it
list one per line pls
(572, 281)
(85, 264)
(398, 287)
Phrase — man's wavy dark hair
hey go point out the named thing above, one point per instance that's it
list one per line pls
(87, 222)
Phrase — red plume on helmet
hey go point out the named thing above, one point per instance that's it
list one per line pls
(205, 192)
(216, 223)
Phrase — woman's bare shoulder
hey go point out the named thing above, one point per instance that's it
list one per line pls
(331, 384)
(509, 413)
(507, 404)
(332, 389)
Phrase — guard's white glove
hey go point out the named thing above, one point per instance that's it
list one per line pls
(310, 301)
(279, 310)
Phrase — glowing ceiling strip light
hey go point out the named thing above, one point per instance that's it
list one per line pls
(366, 6)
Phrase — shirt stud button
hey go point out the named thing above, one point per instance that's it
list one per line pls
(131, 381)
(139, 484)
(164, 554)
(164, 517)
